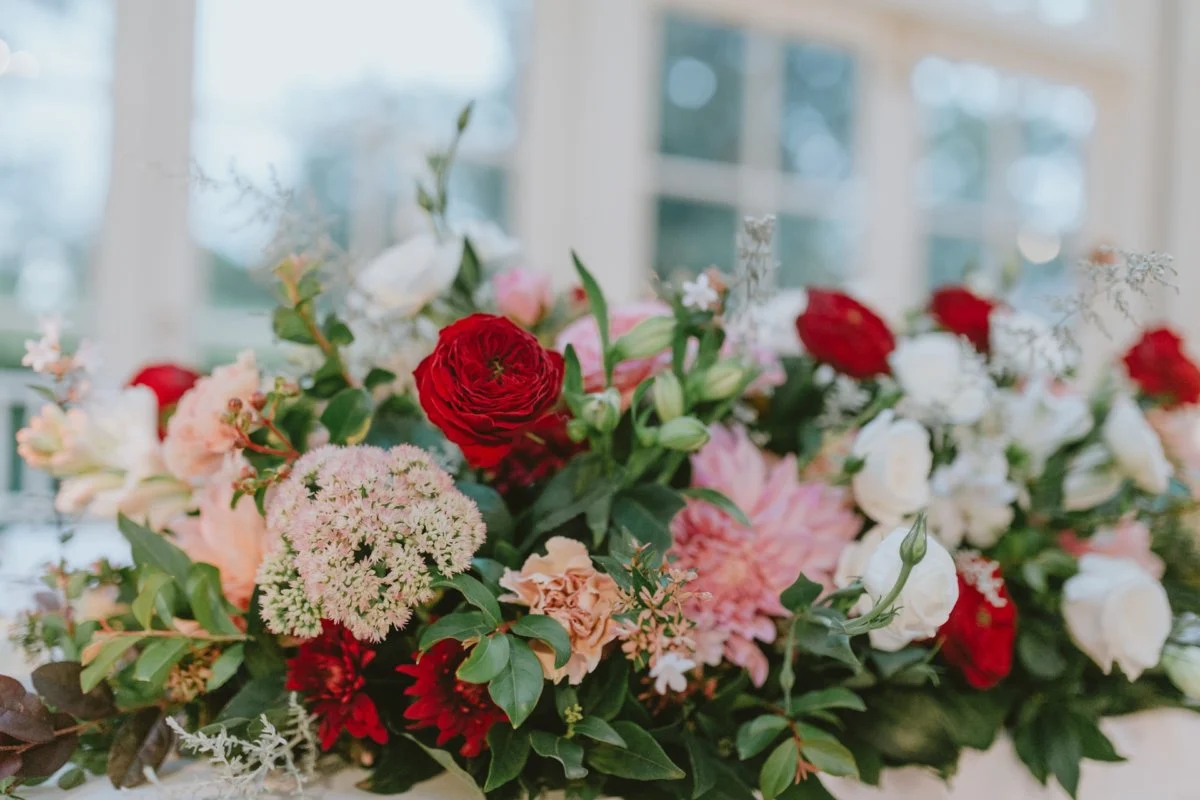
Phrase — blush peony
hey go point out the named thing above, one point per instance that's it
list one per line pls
(523, 295)
(584, 336)
(197, 438)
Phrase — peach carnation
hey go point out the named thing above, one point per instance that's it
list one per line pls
(565, 585)
(584, 335)
(197, 438)
(796, 528)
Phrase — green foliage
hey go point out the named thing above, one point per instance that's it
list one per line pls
(548, 630)
(586, 481)
(400, 765)
(779, 770)
(599, 730)
(510, 751)
(642, 759)
(208, 603)
(476, 594)
(226, 666)
(519, 685)
(59, 683)
(348, 416)
(599, 308)
(105, 659)
(562, 750)
(154, 550)
(486, 660)
(646, 511)
(461, 626)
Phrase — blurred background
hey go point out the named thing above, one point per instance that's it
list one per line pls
(150, 150)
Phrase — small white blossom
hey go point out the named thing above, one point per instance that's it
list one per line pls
(700, 294)
(670, 672)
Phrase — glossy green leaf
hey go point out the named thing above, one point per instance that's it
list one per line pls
(830, 756)
(257, 696)
(599, 730)
(646, 511)
(143, 605)
(157, 659)
(801, 594)
(226, 666)
(586, 480)
(599, 307)
(779, 770)
(485, 660)
(461, 626)
(289, 325)
(348, 416)
(153, 549)
(713, 497)
(603, 694)
(758, 734)
(519, 685)
(643, 759)
(496, 515)
(564, 751)
(476, 594)
(98, 668)
(208, 602)
(834, 697)
(510, 751)
(548, 630)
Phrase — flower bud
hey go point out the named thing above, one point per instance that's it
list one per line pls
(721, 381)
(649, 337)
(1182, 664)
(686, 434)
(577, 430)
(647, 437)
(668, 396)
(915, 543)
(602, 410)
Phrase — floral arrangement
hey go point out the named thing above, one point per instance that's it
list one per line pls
(652, 550)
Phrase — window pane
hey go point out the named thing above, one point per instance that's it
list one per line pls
(54, 147)
(818, 113)
(702, 87)
(812, 252)
(694, 236)
(950, 259)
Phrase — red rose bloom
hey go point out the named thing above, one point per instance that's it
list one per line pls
(1159, 366)
(486, 384)
(328, 672)
(840, 331)
(454, 707)
(963, 312)
(978, 637)
(543, 451)
(169, 382)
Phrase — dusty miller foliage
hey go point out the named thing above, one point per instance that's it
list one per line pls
(276, 761)
(1115, 278)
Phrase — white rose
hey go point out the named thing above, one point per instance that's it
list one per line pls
(943, 378)
(928, 595)
(1024, 344)
(1116, 612)
(1041, 421)
(1136, 447)
(404, 279)
(972, 499)
(774, 323)
(1182, 664)
(1090, 479)
(893, 481)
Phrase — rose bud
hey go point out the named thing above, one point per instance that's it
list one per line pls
(649, 337)
(685, 434)
(668, 396)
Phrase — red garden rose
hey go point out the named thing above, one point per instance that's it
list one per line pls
(169, 382)
(1161, 369)
(328, 672)
(486, 384)
(961, 311)
(543, 451)
(978, 637)
(454, 707)
(840, 331)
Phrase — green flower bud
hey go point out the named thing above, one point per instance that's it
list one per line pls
(602, 410)
(721, 380)
(649, 337)
(668, 396)
(577, 430)
(913, 548)
(647, 437)
(1182, 665)
(685, 434)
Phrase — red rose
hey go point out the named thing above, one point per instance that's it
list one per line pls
(536, 456)
(328, 672)
(486, 384)
(169, 382)
(963, 312)
(978, 637)
(454, 707)
(1159, 366)
(840, 331)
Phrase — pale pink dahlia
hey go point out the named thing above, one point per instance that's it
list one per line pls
(796, 528)
(359, 529)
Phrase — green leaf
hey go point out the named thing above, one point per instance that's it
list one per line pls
(1039, 652)
(585, 481)
(257, 696)
(153, 549)
(337, 332)
(801, 594)
(807, 789)
(510, 751)
(548, 630)
(476, 594)
(462, 626)
(71, 778)
(226, 666)
(378, 376)
(519, 685)
(642, 759)
(485, 660)
(814, 637)
(779, 770)
(599, 310)
(98, 668)
(758, 734)
(713, 497)
(564, 751)
(157, 659)
(400, 765)
(829, 756)
(599, 730)
(1096, 745)
(142, 742)
(1063, 749)
(470, 275)
(207, 601)
(143, 605)
(835, 697)
(348, 416)
(491, 505)
(58, 683)
(702, 758)
(646, 511)
(603, 694)
(448, 763)
(289, 325)
(573, 379)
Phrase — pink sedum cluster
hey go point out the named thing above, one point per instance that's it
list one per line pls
(359, 529)
(796, 528)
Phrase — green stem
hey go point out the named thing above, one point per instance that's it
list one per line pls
(864, 623)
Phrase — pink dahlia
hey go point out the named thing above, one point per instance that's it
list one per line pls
(796, 528)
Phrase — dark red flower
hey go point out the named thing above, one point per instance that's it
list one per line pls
(328, 672)
(541, 452)
(961, 311)
(978, 637)
(840, 331)
(169, 382)
(454, 707)
(486, 384)
(1162, 370)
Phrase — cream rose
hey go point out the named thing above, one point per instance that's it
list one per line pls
(197, 439)
(1117, 613)
(893, 480)
(405, 278)
(943, 378)
(1042, 418)
(972, 499)
(1136, 447)
(928, 595)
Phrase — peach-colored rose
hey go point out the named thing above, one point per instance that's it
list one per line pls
(585, 336)
(565, 585)
(1128, 539)
(233, 540)
(1179, 430)
(523, 295)
(197, 440)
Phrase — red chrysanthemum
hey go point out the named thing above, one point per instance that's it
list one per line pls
(1162, 370)
(328, 672)
(961, 311)
(978, 637)
(454, 707)
(840, 331)
(169, 382)
(543, 451)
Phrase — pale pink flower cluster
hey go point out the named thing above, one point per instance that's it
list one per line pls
(231, 537)
(198, 438)
(584, 335)
(363, 526)
(796, 528)
(1129, 539)
(565, 585)
(523, 295)
(45, 356)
